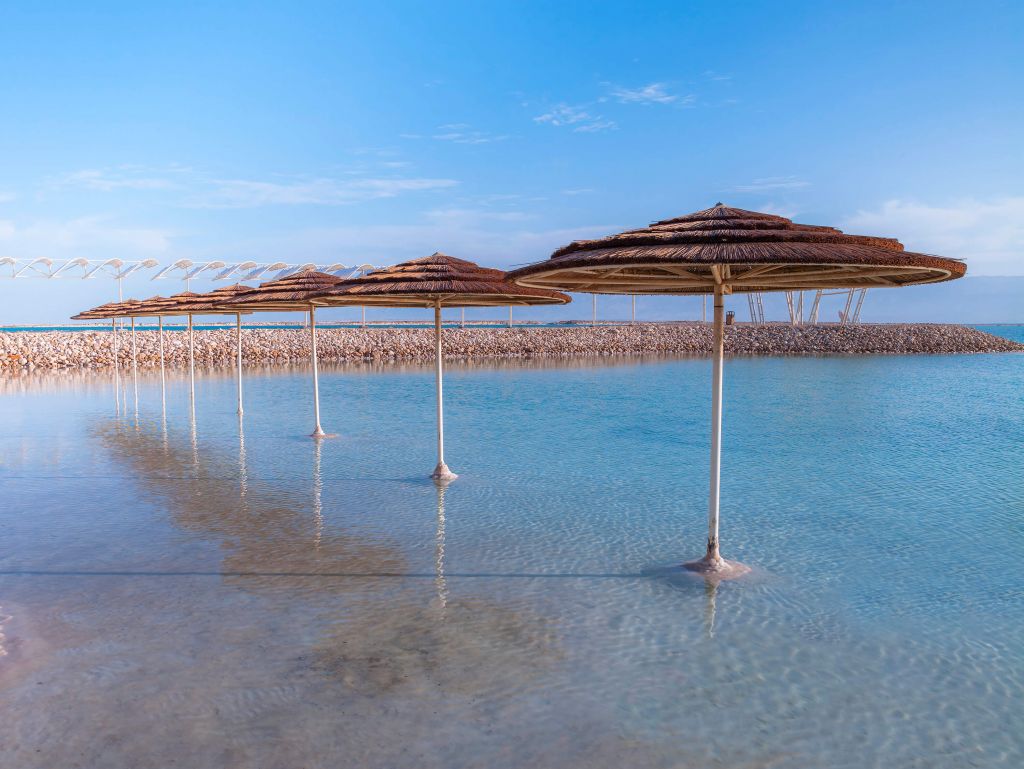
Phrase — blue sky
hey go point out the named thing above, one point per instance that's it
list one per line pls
(495, 131)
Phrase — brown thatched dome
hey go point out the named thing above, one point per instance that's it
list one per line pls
(435, 280)
(289, 293)
(742, 250)
(172, 305)
(211, 302)
(103, 312)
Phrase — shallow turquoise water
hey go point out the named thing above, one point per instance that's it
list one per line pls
(217, 599)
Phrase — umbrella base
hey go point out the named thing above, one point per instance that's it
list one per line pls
(318, 433)
(442, 473)
(717, 569)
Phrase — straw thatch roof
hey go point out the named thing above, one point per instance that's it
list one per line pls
(129, 308)
(435, 280)
(742, 250)
(211, 303)
(103, 312)
(292, 292)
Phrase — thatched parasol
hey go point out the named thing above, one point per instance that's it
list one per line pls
(125, 309)
(291, 294)
(143, 310)
(722, 251)
(103, 312)
(189, 303)
(210, 304)
(436, 281)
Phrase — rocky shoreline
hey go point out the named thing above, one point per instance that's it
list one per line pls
(93, 350)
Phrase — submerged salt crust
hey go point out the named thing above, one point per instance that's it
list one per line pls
(237, 595)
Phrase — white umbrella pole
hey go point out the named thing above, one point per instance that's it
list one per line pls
(634, 308)
(713, 556)
(441, 472)
(318, 431)
(509, 316)
(238, 344)
(163, 374)
(192, 363)
(117, 370)
(135, 369)
(712, 564)
(363, 323)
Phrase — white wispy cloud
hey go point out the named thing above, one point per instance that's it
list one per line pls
(987, 234)
(194, 189)
(466, 233)
(769, 183)
(652, 93)
(579, 191)
(579, 118)
(463, 133)
(7, 197)
(245, 193)
(473, 216)
(109, 180)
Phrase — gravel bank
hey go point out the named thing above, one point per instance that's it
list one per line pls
(80, 349)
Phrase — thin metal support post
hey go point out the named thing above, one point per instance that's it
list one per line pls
(238, 345)
(117, 366)
(846, 309)
(135, 369)
(860, 304)
(713, 557)
(441, 472)
(192, 364)
(318, 431)
(163, 373)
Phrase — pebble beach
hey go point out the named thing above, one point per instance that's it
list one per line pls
(48, 350)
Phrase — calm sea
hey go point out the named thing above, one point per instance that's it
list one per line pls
(1014, 332)
(225, 594)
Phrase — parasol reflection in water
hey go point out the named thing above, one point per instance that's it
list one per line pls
(235, 598)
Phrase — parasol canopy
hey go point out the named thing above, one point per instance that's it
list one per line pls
(285, 294)
(210, 303)
(433, 281)
(436, 281)
(291, 293)
(103, 312)
(723, 250)
(738, 249)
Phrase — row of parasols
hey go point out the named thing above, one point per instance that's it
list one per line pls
(717, 251)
